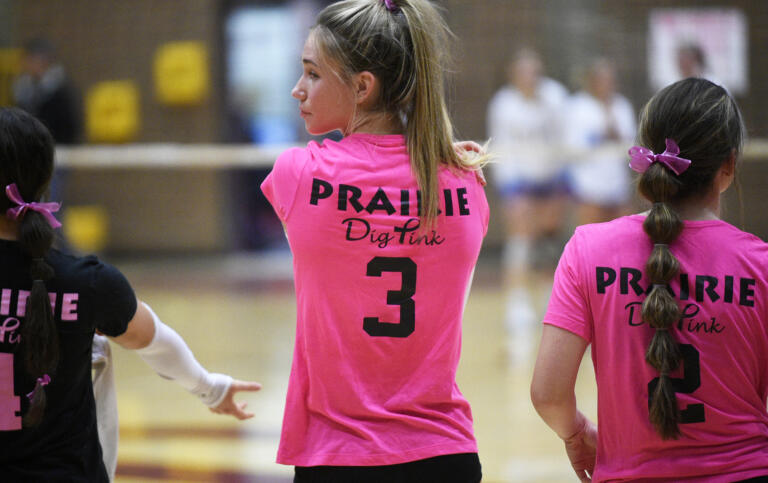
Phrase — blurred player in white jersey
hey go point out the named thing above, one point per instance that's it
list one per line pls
(529, 176)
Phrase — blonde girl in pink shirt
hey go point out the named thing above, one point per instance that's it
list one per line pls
(385, 227)
(674, 303)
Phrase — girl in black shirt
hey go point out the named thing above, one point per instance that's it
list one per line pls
(51, 305)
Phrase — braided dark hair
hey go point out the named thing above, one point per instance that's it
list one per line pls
(705, 122)
(26, 159)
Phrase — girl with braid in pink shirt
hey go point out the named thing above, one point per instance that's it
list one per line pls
(385, 227)
(674, 302)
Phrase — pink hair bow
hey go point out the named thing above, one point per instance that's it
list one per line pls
(641, 158)
(43, 381)
(390, 4)
(45, 209)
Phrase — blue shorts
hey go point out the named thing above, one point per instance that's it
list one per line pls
(545, 188)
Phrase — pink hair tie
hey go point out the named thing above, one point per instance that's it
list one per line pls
(390, 4)
(42, 381)
(640, 158)
(45, 209)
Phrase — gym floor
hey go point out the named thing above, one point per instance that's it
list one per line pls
(237, 314)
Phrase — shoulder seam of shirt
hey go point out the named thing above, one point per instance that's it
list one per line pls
(299, 176)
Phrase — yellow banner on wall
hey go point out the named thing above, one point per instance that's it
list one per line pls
(10, 67)
(112, 112)
(181, 73)
(86, 227)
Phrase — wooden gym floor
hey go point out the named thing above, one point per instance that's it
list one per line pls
(237, 314)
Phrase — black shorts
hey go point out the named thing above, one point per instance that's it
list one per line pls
(759, 479)
(453, 468)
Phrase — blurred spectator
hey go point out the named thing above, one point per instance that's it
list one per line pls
(529, 176)
(691, 60)
(598, 130)
(44, 90)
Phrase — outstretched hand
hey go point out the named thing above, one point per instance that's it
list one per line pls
(230, 406)
(581, 449)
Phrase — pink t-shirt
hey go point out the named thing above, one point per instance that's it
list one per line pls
(723, 382)
(379, 304)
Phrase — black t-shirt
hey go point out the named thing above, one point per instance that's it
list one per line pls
(87, 295)
(59, 112)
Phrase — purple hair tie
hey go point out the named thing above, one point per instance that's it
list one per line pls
(642, 158)
(45, 209)
(43, 381)
(390, 4)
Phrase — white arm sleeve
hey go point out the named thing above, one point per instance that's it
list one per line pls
(171, 358)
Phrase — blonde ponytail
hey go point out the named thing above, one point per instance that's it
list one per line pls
(405, 47)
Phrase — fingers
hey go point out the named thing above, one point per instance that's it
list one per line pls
(240, 412)
(581, 455)
(233, 409)
(244, 386)
(583, 476)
